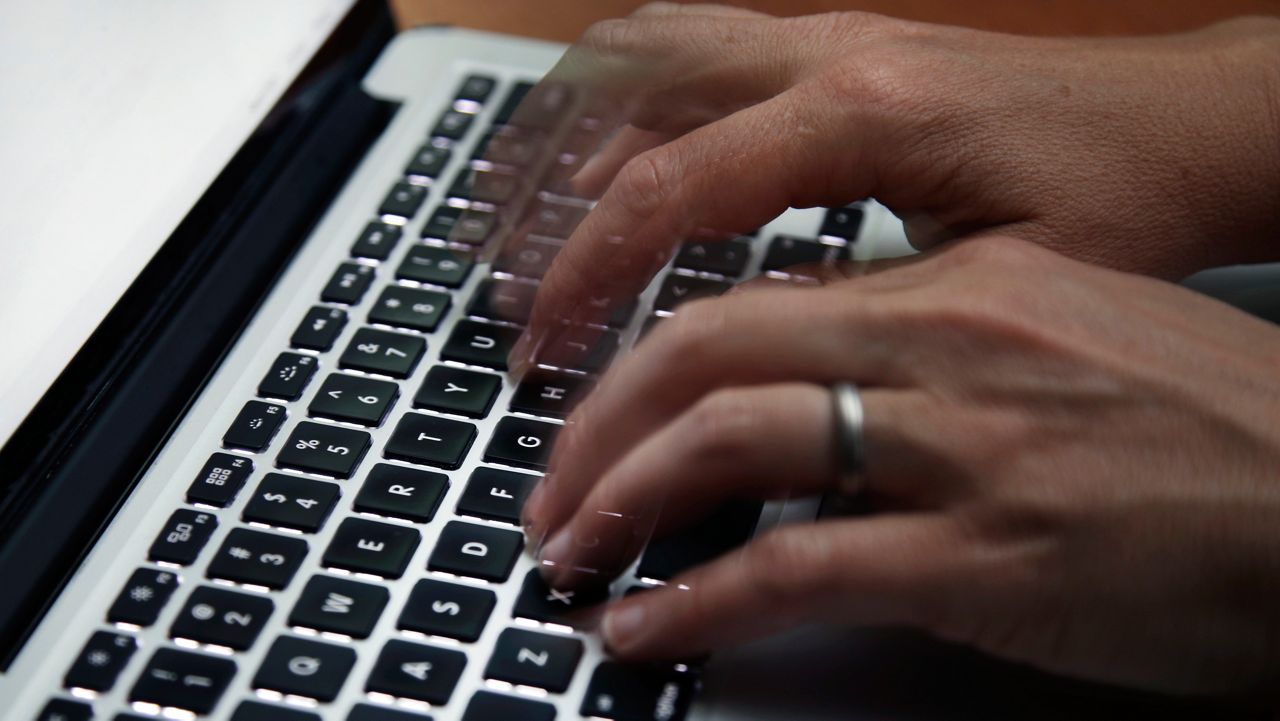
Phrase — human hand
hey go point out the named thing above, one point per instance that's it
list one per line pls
(1071, 466)
(1154, 155)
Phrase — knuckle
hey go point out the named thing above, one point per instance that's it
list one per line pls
(782, 566)
(641, 188)
(721, 425)
(694, 326)
(991, 251)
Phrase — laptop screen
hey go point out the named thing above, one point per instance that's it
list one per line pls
(124, 114)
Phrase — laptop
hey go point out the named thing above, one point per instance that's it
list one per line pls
(263, 458)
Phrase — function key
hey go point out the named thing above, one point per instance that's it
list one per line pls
(180, 679)
(415, 671)
(728, 258)
(182, 537)
(288, 376)
(403, 200)
(143, 597)
(291, 502)
(480, 344)
(61, 709)
(547, 393)
(324, 449)
(679, 289)
(412, 308)
(522, 442)
(383, 352)
(505, 300)
(100, 661)
(319, 329)
(453, 390)
(354, 399)
(489, 706)
(527, 658)
(467, 549)
(476, 88)
(785, 251)
(220, 480)
(496, 495)
(348, 284)
(339, 606)
(842, 223)
(444, 609)
(428, 161)
(363, 546)
(254, 426)
(258, 711)
(399, 492)
(581, 348)
(540, 602)
(300, 667)
(452, 125)
(256, 558)
(221, 617)
(628, 692)
(431, 440)
(376, 240)
(436, 265)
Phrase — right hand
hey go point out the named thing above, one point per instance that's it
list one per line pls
(1153, 155)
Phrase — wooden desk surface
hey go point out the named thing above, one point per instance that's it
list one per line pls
(564, 20)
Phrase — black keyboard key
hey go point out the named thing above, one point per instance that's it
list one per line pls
(143, 597)
(452, 125)
(254, 426)
(100, 661)
(413, 308)
(288, 376)
(626, 692)
(447, 609)
(256, 558)
(291, 502)
(441, 223)
(324, 449)
(453, 390)
(258, 711)
(480, 344)
(182, 537)
(349, 284)
(510, 147)
(411, 670)
(363, 546)
(527, 658)
(403, 200)
(305, 668)
(505, 300)
(431, 440)
(476, 88)
(436, 265)
(319, 329)
(220, 480)
(842, 223)
(221, 617)
(785, 251)
(383, 352)
(489, 706)
(354, 399)
(339, 606)
(467, 549)
(555, 220)
(539, 602)
(729, 527)
(581, 348)
(61, 709)
(369, 712)
(512, 101)
(522, 442)
(496, 494)
(485, 186)
(400, 492)
(470, 226)
(547, 393)
(679, 289)
(377, 240)
(180, 679)
(727, 258)
(429, 161)
(528, 258)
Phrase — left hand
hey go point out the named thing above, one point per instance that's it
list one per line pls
(1073, 467)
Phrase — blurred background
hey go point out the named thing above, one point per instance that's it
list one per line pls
(564, 20)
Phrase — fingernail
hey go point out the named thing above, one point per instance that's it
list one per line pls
(556, 551)
(532, 512)
(621, 627)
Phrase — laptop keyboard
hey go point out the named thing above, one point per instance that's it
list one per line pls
(300, 462)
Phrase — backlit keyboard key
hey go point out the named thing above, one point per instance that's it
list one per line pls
(453, 390)
(305, 668)
(319, 329)
(399, 492)
(436, 265)
(338, 605)
(412, 308)
(628, 692)
(324, 449)
(143, 597)
(383, 352)
(432, 440)
(256, 558)
(221, 617)
(429, 161)
(726, 257)
(489, 706)
(363, 546)
(182, 537)
(354, 399)
(349, 284)
(403, 200)
(480, 344)
(288, 376)
(842, 223)
(180, 679)
(468, 549)
(522, 442)
(546, 393)
(444, 609)
(679, 289)
(785, 251)
(255, 426)
(220, 480)
(505, 300)
(415, 671)
(496, 495)
(527, 658)
(100, 661)
(291, 502)
(376, 241)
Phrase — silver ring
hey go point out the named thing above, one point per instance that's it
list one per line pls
(850, 442)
